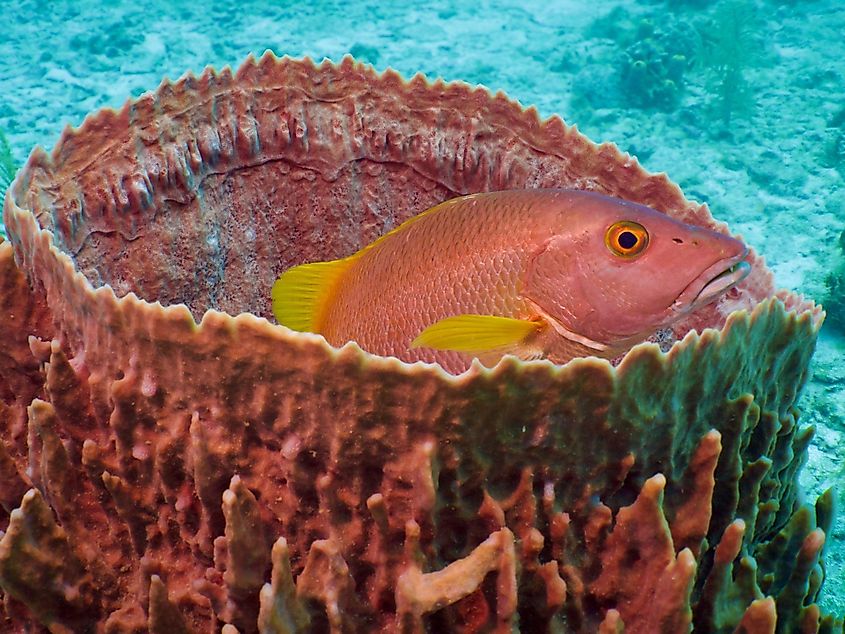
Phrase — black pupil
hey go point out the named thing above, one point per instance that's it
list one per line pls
(627, 240)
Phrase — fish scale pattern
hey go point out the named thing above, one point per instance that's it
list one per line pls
(165, 475)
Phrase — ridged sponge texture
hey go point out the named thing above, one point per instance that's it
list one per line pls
(164, 475)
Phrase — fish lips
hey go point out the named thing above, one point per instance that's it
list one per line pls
(713, 282)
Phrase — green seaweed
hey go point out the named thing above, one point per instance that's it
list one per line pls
(730, 45)
(8, 165)
(8, 169)
(833, 151)
(834, 299)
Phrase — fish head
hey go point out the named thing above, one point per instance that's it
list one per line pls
(618, 271)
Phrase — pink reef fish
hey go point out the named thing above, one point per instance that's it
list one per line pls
(552, 274)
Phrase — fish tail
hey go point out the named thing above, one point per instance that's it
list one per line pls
(301, 294)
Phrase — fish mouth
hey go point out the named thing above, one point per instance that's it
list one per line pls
(713, 282)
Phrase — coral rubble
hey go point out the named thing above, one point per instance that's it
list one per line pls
(165, 475)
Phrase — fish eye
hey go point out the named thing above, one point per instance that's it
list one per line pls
(626, 238)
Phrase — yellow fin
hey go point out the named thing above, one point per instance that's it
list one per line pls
(475, 333)
(301, 293)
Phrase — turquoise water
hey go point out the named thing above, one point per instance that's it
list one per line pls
(741, 103)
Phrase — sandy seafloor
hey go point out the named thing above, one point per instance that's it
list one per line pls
(765, 173)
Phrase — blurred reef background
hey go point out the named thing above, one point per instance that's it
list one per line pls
(741, 102)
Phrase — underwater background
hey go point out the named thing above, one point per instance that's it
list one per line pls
(740, 102)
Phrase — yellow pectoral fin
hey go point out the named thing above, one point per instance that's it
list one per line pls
(475, 333)
(301, 293)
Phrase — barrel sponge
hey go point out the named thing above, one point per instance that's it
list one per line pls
(165, 474)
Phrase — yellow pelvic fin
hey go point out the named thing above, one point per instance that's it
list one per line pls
(475, 333)
(301, 293)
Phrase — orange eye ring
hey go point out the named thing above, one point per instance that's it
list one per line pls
(626, 238)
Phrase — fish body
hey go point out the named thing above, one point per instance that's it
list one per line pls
(535, 273)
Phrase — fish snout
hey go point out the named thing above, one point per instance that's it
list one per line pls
(725, 246)
(728, 269)
(731, 247)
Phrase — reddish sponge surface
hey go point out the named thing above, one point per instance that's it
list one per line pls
(169, 475)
